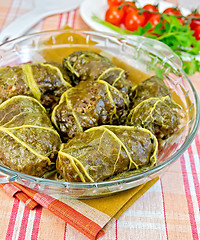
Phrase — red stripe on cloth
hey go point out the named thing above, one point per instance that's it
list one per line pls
(67, 19)
(116, 231)
(164, 210)
(24, 223)
(189, 199)
(197, 142)
(60, 20)
(65, 212)
(76, 219)
(74, 18)
(194, 174)
(13, 215)
(36, 224)
(65, 233)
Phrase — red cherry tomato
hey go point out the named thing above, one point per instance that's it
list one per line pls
(114, 15)
(114, 2)
(130, 6)
(133, 20)
(154, 20)
(197, 32)
(149, 8)
(194, 22)
(174, 12)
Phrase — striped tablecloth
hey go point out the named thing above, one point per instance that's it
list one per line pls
(168, 210)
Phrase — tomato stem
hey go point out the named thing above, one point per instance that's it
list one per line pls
(152, 12)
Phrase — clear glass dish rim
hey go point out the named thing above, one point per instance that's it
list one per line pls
(77, 185)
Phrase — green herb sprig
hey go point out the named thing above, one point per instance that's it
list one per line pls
(177, 36)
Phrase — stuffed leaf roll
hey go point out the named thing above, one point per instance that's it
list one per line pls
(154, 109)
(103, 152)
(88, 65)
(158, 115)
(28, 141)
(151, 87)
(89, 104)
(43, 81)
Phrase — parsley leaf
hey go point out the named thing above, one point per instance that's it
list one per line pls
(177, 36)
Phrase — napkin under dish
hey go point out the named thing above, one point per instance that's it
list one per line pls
(90, 216)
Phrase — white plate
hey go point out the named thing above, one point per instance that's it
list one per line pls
(89, 8)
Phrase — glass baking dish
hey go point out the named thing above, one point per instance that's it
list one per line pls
(141, 57)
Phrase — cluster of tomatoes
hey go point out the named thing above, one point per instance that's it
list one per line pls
(126, 14)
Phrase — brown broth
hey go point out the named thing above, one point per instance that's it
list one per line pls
(135, 75)
(58, 54)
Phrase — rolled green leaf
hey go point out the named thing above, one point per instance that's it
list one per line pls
(28, 141)
(89, 104)
(158, 115)
(151, 87)
(88, 65)
(105, 151)
(43, 81)
(154, 109)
